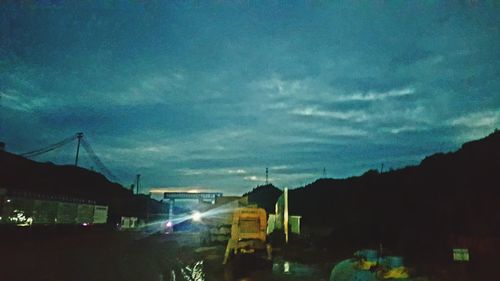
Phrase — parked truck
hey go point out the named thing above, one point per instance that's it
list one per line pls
(248, 234)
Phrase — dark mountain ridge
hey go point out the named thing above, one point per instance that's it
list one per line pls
(67, 182)
(265, 196)
(448, 200)
(21, 174)
(455, 180)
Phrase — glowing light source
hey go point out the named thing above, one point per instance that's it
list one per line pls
(286, 267)
(169, 224)
(8, 200)
(85, 224)
(20, 219)
(196, 216)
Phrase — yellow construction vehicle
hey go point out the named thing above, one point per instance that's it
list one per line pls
(248, 233)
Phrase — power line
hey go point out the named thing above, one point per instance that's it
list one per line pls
(51, 147)
(86, 145)
(93, 156)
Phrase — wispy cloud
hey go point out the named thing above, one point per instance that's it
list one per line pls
(196, 172)
(280, 167)
(237, 172)
(213, 171)
(342, 131)
(194, 100)
(17, 101)
(256, 179)
(475, 125)
(489, 119)
(313, 111)
(280, 87)
(374, 96)
(404, 129)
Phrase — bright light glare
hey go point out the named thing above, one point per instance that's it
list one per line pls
(169, 224)
(286, 267)
(196, 216)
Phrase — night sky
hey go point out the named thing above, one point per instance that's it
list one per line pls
(208, 94)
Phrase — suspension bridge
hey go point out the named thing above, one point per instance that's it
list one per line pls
(79, 137)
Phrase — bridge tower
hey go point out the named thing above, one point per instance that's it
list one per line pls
(79, 136)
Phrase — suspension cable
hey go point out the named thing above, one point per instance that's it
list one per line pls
(93, 156)
(86, 145)
(46, 149)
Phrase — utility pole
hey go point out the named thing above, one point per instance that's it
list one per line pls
(285, 213)
(382, 168)
(79, 136)
(137, 183)
(267, 176)
(324, 172)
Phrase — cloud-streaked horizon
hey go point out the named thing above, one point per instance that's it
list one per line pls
(209, 94)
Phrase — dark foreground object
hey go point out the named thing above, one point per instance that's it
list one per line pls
(87, 253)
(80, 253)
(93, 253)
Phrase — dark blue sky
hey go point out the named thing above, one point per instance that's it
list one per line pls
(210, 93)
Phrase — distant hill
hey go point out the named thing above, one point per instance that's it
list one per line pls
(265, 196)
(435, 204)
(18, 174)
(450, 187)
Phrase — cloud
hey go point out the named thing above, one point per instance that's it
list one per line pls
(18, 101)
(313, 111)
(490, 119)
(194, 172)
(403, 129)
(212, 171)
(374, 96)
(280, 87)
(342, 131)
(184, 98)
(256, 179)
(279, 167)
(237, 171)
(474, 125)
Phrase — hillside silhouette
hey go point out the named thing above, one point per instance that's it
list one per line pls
(265, 196)
(23, 176)
(457, 192)
(448, 200)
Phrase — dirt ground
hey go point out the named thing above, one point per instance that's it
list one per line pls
(95, 254)
(102, 254)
